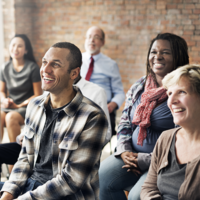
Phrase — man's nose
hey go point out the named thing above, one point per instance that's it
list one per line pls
(91, 39)
(46, 68)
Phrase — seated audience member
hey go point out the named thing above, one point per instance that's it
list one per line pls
(9, 152)
(175, 167)
(61, 149)
(145, 116)
(20, 79)
(103, 71)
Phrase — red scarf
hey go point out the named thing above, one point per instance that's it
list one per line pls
(151, 97)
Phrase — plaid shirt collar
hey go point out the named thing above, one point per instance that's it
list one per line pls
(70, 108)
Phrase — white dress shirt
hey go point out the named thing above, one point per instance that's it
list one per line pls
(98, 95)
(106, 75)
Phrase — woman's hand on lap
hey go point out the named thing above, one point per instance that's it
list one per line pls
(131, 162)
(14, 106)
(6, 103)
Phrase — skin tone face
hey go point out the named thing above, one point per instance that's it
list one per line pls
(54, 71)
(94, 41)
(17, 48)
(184, 104)
(161, 59)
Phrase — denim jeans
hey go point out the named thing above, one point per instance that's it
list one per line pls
(1, 185)
(29, 186)
(114, 180)
(134, 193)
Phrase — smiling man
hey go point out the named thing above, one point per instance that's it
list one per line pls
(61, 149)
(103, 71)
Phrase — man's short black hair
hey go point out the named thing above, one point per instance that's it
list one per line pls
(75, 56)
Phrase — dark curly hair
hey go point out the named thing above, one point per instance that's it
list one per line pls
(179, 50)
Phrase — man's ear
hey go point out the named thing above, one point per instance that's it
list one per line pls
(74, 73)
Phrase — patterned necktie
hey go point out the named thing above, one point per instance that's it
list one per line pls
(90, 70)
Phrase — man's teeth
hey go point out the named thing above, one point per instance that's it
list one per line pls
(178, 110)
(50, 79)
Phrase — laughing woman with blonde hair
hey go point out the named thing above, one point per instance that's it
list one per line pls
(175, 166)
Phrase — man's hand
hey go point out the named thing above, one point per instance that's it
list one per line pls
(131, 162)
(111, 106)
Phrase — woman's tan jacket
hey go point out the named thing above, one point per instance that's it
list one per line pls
(190, 188)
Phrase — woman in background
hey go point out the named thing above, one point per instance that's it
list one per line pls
(175, 168)
(145, 116)
(20, 79)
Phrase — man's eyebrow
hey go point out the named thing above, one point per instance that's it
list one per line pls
(57, 61)
(53, 60)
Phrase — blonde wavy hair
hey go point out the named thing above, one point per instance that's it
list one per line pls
(191, 72)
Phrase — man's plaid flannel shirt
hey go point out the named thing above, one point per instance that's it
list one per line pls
(78, 138)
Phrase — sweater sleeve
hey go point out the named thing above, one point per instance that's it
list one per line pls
(149, 189)
(144, 160)
(125, 128)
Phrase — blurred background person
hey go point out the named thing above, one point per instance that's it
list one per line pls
(103, 71)
(145, 116)
(20, 80)
(175, 168)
